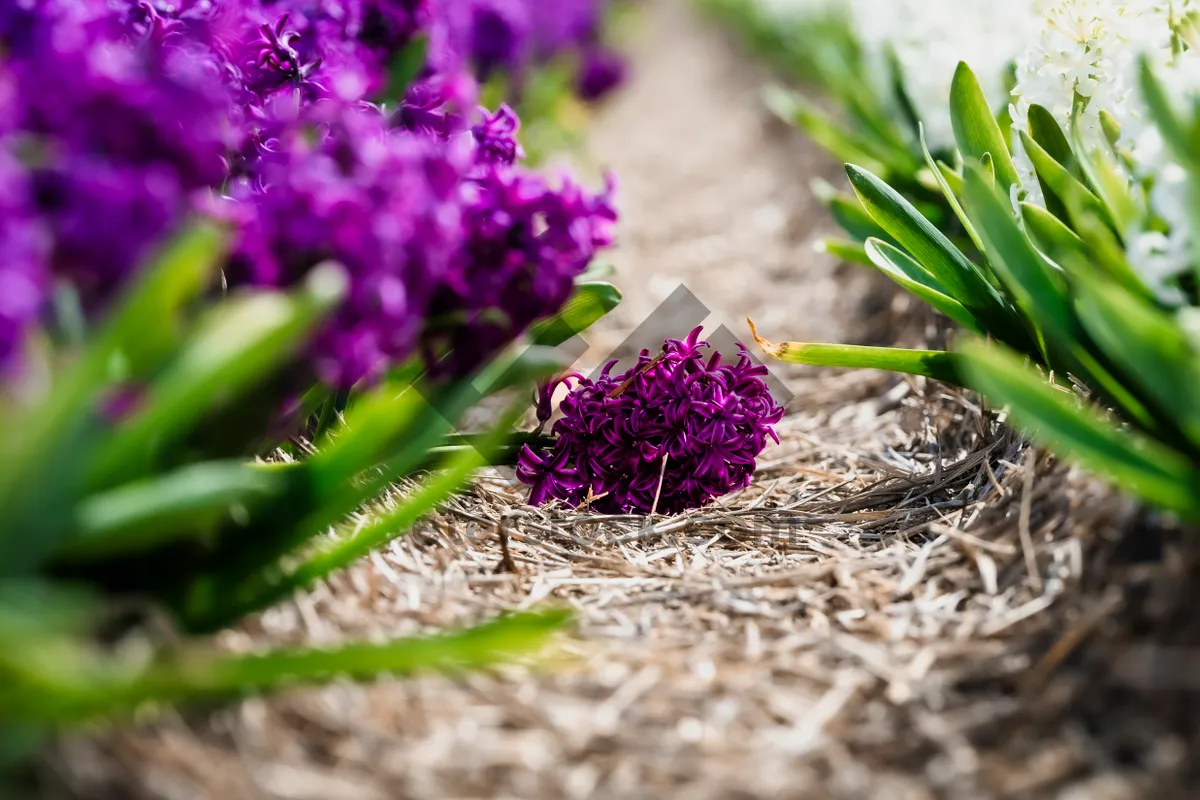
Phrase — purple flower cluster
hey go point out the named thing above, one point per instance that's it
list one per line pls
(119, 118)
(526, 244)
(383, 204)
(671, 433)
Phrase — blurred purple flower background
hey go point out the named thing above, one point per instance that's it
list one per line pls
(120, 119)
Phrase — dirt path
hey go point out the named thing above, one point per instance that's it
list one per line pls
(812, 637)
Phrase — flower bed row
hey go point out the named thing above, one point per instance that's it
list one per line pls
(257, 257)
(1030, 170)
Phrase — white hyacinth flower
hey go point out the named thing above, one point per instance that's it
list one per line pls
(1088, 56)
(1067, 54)
(928, 38)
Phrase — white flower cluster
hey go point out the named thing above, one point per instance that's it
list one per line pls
(1087, 57)
(928, 38)
(1068, 54)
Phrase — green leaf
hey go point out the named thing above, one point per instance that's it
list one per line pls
(963, 280)
(849, 214)
(1059, 184)
(242, 340)
(84, 686)
(1149, 347)
(270, 586)
(1050, 235)
(1111, 185)
(150, 321)
(952, 177)
(1045, 130)
(587, 306)
(1104, 250)
(936, 364)
(1178, 136)
(975, 128)
(32, 608)
(391, 524)
(404, 68)
(988, 168)
(386, 436)
(842, 144)
(1173, 129)
(181, 504)
(897, 265)
(1039, 290)
(1110, 127)
(952, 188)
(849, 252)
(1134, 462)
(382, 417)
(44, 452)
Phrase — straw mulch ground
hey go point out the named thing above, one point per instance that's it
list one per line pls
(907, 603)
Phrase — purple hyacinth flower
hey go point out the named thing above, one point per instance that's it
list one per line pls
(384, 203)
(496, 137)
(389, 25)
(525, 243)
(499, 36)
(24, 279)
(564, 25)
(602, 71)
(673, 432)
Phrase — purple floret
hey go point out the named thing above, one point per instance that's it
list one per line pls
(603, 70)
(496, 137)
(682, 417)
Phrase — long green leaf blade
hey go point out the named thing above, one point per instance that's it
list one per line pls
(936, 364)
(897, 265)
(44, 452)
(832, 137)
(1135, 462)
(1149, 347)
(137, 516)
(1040, 291)
(85, 687)
(944, 175)
(937, 254)
(975, 128)
(244, 339)
(1049, 135)
(586, 306)
(1058, 182)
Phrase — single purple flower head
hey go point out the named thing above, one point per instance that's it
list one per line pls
(602, 71)
(499, 36)
(673, 432)
(565, 25)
